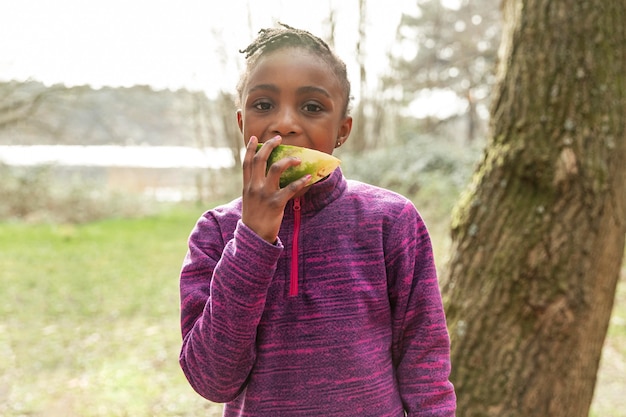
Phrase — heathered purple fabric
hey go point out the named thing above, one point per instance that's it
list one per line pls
(365, 335)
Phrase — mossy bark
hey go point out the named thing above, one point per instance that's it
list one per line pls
(538, 239)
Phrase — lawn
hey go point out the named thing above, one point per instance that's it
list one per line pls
(89, 319)
(89, 322)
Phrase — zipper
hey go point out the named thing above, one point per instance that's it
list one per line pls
(293, 283)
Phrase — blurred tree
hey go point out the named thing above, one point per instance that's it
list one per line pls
(448, 45)
(373, 118)
(538, 240)
(18, 103)
(215, 126)
(358, 139)
(36, 114)
(331, 22)
(226, 107)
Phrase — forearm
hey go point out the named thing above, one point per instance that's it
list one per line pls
(218, 343)
(421, 340)
(424, 367)
(423, 378)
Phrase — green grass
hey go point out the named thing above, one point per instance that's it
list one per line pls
(89, 321)
(89, 318)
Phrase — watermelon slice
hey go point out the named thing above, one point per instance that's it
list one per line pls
(316, 163)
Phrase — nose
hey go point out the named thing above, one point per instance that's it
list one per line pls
(286, 122)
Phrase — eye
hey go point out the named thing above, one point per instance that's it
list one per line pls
(262, 105)
(312, 107)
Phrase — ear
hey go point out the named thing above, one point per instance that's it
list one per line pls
(344, 130)
(240, 120)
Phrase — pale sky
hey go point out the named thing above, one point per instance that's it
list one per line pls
(167, 43)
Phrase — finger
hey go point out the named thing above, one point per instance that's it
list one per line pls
(248, 157)
(267, 148)
(260, 159)
(276, 170)
(295, 187)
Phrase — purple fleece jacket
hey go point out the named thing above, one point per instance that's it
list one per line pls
(352, 324)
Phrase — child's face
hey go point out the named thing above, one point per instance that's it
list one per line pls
(293, 93)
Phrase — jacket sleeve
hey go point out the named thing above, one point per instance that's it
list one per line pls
(223, 286)
(421, 344)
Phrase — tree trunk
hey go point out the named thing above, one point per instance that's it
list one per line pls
(358, 139)
(472, 117)
(226, 105)
(538, 239)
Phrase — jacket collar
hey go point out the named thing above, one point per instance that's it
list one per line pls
(322, 193)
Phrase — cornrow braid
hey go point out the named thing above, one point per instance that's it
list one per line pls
(272, 39)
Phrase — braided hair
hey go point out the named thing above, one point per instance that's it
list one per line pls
(272, 39)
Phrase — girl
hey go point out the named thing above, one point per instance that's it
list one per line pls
(316, 300)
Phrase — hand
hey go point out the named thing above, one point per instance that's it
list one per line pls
(263, 201)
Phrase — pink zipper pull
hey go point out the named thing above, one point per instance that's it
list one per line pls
(293, 283)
